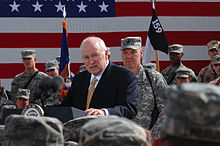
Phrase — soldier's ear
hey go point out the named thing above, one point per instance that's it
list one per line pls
(141, 51)
(190, 78)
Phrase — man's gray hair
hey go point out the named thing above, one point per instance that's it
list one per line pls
(100, 42)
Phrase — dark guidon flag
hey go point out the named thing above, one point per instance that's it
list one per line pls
(156, 39)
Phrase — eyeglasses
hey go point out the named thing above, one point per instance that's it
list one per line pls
(93, 57)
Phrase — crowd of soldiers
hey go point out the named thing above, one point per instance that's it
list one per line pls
(168, 110)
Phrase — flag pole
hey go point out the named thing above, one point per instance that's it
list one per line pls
(156, 52)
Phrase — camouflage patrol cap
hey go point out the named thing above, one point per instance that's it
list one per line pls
(216, 59)
(175, 48)
(53, 64)
(71, 129)
(112, 130)
(214, 44)
(23, 93)
(150, 66)
(131, 42)
(58, 59)
(23, 130)
(70, 143)
(193, 112)
(82, 68)
(28, 54)
(183, 72)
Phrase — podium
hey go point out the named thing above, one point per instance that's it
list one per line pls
(64, 113)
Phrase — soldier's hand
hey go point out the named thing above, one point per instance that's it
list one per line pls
(93, 111)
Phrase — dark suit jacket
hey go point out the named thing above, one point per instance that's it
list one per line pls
(116, 91)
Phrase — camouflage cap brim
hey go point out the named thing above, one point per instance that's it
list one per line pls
(25, 97)
(50, 68)
(27, 57)
(182, 76)
(130, 47)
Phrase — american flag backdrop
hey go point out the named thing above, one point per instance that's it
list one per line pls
(37, 24)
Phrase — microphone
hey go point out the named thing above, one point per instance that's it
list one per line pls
(45, 83)
(57, 83)
(48, 87)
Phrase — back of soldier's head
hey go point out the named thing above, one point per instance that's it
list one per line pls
(112, 131)
(33, 131)
(193, 114)
(71, 129)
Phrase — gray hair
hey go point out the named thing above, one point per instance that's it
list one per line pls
(101, 43)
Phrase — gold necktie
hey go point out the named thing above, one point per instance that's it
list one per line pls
(90, 92)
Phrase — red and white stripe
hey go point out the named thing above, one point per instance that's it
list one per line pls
(191, 23)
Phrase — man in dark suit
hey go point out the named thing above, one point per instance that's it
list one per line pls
(115, 87)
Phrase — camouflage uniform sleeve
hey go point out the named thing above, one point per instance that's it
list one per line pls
(194, 78)
(201, 75)
(166, 74)
(159, 85)
(14, 87)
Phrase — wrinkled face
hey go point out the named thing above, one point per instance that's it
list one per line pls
(212, 52)
(180, 80)
(29, 62)
(132, 58)
(94, 56)
(175, 58)
(52, 72)
(217, 69)
(21, 103)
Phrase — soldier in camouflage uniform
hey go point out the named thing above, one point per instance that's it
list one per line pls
(32, 131)
(4, 94)
(193, 117)
(216, 66)
(183, 75)
(22, 99)
(52, 69)
(208, 73)
(176, 53)
(131, 53)
(4, 100)
(112, 131)
(21, 80)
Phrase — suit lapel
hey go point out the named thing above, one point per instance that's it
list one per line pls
(105, 79)
(85, 86)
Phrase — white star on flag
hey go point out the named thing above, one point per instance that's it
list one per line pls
(60, 7)
(94, 0)
(82, 7)
(14, 7)
(37, 7)
(103, 7)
